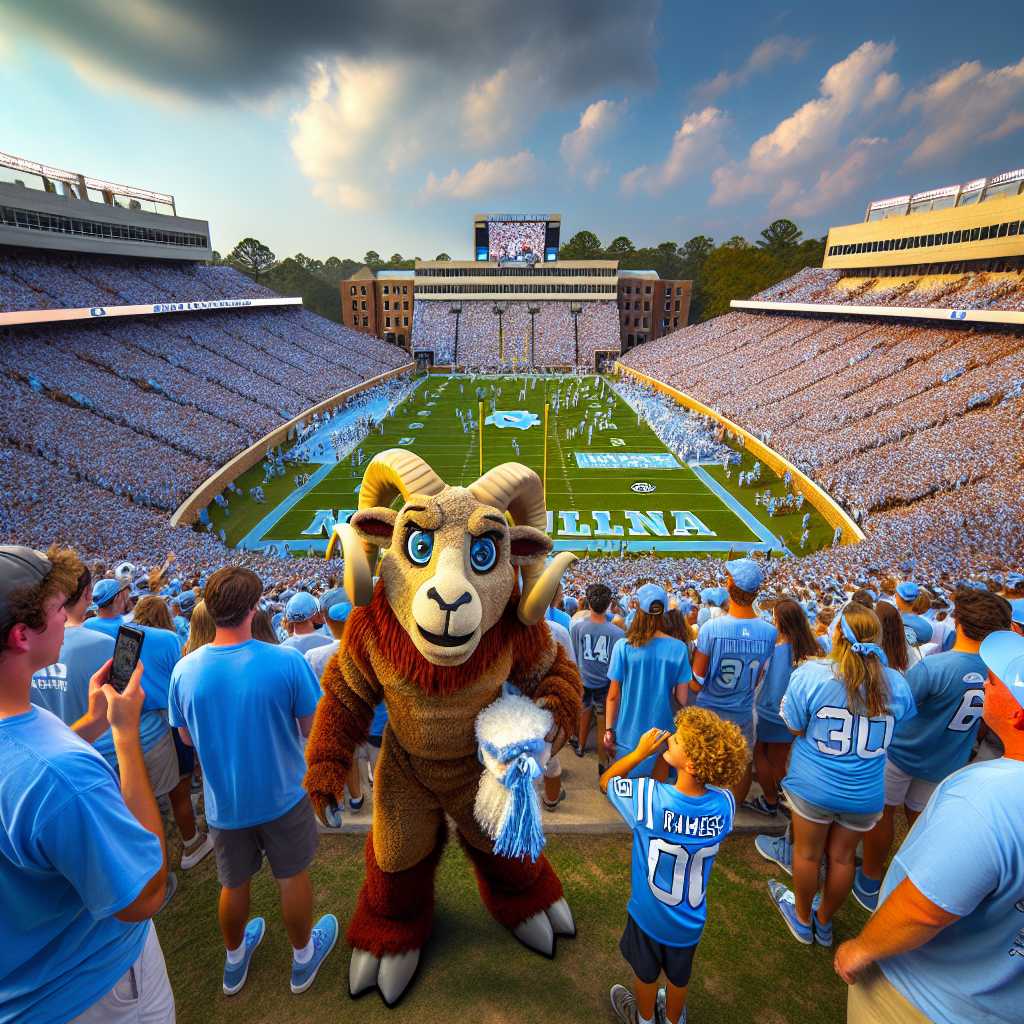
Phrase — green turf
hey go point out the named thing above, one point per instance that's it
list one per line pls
(748, 968)
(455, 456)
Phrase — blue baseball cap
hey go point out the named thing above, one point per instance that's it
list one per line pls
(104, 591)
(908, 590)
(1014, 580)
(1017, 611)
(301, 607)
(335, 604)
(187, 600)
(652, 599)
(746, 574)
(1003, 653)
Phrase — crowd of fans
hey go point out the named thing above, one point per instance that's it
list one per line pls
(487, 339)
(970, 290)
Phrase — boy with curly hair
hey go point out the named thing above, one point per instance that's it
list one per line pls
(677, 830)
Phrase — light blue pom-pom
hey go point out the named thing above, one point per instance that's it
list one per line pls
(521, 835)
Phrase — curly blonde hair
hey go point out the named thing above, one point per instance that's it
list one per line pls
(717, 748)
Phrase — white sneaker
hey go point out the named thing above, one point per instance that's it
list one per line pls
(192, 854)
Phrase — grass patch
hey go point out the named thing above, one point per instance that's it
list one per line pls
(748, 967)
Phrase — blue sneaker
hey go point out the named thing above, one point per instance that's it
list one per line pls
(867, 899)
(785, 903)
(822, 932)
(777, 849)
(325, 935)
(235, 974)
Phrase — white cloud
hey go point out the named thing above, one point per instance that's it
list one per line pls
(486, 177)
(810, 140)
(763, 58)
(694, 146)
(962, 107)
(597, 122)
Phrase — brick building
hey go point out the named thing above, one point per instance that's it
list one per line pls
(381, 305)
(650, 307)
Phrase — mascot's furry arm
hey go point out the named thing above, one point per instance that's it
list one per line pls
(557, 686)
(342, 722)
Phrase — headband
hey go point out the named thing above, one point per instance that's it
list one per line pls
(861, 648)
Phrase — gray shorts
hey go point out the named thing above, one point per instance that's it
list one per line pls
(289, 843)
(823, 815)
(162, 765)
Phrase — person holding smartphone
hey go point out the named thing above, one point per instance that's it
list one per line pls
(83, 866)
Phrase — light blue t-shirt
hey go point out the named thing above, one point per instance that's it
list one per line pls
(773, 685)
(737, 649)
(71, 856)
(675, 839)
(107, 626)
(63, 688)
(647, 675)
(839, 762)
(966, 854)
(557, 615)
(593, 643)
(307, 642)
(949, 690)
(239, 704)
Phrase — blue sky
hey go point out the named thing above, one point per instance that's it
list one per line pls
(331, 128)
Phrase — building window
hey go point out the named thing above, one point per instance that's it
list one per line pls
(645, 322)
(636, 304)
(387, 321)
(405, 291)
(365, 324)
(677, 305)
(355, 304)
(387, 305)
(401, 339)
(629, 291)
(647, 290)
(362, 291)
(385, 289)
(353, 290)
(675, 322)
(405, 305)
(647, 307)
(636, 321)
(668, 307)
(405, 321)
(629, 339)
(364, 306)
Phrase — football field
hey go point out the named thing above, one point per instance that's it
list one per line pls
(610, 480)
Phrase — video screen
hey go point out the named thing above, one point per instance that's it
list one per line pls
(125, 656)
(516, 240)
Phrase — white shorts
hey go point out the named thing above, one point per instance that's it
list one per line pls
(553, 768)
(142, 994)
(901, 788)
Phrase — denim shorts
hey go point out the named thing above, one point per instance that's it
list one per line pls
(822, 815)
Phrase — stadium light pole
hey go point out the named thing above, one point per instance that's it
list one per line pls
(576, 309)
(457, 310)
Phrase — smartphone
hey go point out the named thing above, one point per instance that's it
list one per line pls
(127, 650)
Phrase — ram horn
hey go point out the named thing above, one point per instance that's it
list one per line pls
(358, 576)
(517, 489)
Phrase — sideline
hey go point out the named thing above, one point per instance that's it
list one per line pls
(745, 514)
(830, 509)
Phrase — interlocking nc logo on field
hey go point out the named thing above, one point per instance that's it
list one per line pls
(97, 311)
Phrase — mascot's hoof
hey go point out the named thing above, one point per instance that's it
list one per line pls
(390, 974)
(362, 971)
(560, 917)
(537, 933)
(395, 974)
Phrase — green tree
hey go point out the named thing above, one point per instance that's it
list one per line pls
(290, 277)
(735, 272)
(737, 242)
(312, 265)
(252, 257)
(442, 256)
(697, 250)
(780, 234)
(620, 245)
(335, 270)
(371, 258)
(584, 245)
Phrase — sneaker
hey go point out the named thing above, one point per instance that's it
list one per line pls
(356, 805)
(785, 903)
(235, 974)
(867, 899)
(578, 750)
(822, 932)
(777, 849)
(624, 1004)
(172, 888)
(761, 806)
(552, 804)
(195, 851)
(325, 935)
(661, 1014)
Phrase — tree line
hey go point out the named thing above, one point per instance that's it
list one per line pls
(736, 269)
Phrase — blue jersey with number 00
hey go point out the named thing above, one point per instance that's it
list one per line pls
(675, 839)
(839, 762)
(736, 650)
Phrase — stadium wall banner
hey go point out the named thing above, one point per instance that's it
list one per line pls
(188, 511)
(823, 502)
(987, 316)
(36, 316)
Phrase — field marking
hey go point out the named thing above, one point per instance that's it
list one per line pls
(751, 520)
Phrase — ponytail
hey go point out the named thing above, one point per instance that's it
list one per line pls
(860, 662)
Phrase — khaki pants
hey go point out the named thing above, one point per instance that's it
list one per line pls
(875, 1000)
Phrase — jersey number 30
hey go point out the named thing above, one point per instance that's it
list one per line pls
(689, 883)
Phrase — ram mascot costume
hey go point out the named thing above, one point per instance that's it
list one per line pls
(435, 639)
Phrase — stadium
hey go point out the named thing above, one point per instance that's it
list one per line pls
(850, 429)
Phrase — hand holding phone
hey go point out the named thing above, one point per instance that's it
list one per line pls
(127, 651)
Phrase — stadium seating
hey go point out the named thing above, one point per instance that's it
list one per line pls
(100, 419)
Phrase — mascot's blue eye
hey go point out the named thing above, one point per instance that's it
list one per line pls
(483, 553)
(419, 546)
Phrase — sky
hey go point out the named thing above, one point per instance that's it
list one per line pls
(332, 128)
